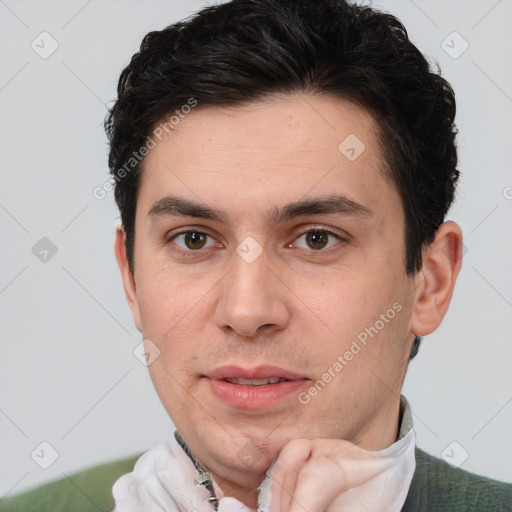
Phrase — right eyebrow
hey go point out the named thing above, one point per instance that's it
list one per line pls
(170, 206)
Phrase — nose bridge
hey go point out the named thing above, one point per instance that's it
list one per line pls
(251, 296)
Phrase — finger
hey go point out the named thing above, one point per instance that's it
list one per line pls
(285, 472)
(287, 491)
(333, 469)
(317, 485)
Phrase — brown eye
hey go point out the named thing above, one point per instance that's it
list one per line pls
(318, 239)
(192, 240)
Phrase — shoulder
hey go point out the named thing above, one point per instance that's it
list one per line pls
(84, 491)
(438, 487)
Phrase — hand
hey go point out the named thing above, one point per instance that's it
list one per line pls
(318, 475)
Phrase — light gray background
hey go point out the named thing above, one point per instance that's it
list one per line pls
(68, 373)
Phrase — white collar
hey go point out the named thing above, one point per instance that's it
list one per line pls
(166, 478)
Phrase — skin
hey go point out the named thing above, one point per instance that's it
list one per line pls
(297, 305)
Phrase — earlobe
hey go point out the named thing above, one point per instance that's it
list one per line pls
(127, 275)
(435, 282)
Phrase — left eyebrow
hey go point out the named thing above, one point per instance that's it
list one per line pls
(338, 205)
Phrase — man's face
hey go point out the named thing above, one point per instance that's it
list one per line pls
(258, 288)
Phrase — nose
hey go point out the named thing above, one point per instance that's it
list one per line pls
(253, 299)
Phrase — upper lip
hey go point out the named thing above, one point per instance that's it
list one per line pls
(259, 372)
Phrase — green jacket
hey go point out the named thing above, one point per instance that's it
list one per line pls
(435, 487)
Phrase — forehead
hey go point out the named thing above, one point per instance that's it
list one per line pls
(261, 154)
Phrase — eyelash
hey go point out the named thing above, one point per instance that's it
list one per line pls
(314, 229)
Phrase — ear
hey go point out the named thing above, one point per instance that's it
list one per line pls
(435, 282)
(127, 275)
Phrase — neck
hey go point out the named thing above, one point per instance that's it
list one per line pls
(248, 495)
(383, 430)
(221, 485)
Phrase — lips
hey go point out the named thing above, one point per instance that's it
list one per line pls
(255, 382)
(254, 388)
(260, 372)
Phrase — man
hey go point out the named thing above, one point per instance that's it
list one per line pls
(283, 171)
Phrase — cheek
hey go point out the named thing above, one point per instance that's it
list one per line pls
(348, 301)
(164, 305)
(366, 304)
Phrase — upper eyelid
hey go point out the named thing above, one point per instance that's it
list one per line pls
(339, 234)
(316, 227)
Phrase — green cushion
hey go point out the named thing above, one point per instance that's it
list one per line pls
(88, 490)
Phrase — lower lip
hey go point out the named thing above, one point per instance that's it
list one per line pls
(254, 397)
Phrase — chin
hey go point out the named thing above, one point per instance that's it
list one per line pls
(247, 454)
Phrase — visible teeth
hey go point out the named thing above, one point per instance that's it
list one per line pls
(255, 382)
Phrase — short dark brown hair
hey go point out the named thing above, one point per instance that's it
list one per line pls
(246, 50)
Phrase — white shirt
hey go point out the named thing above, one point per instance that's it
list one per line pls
(168, 478)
